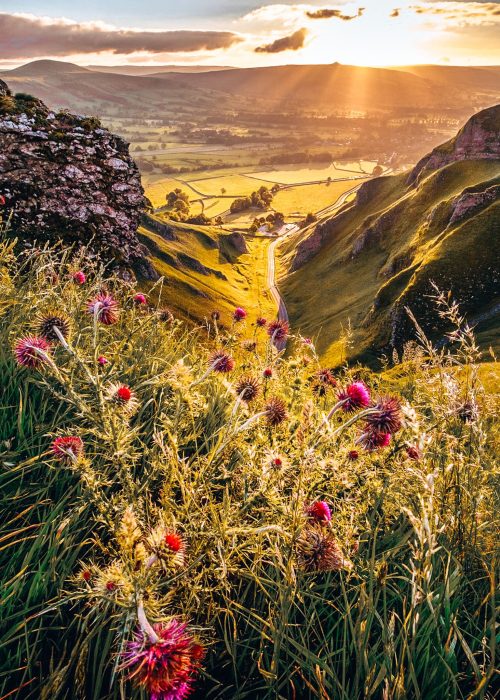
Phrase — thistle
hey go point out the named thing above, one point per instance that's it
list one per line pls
(319, 511)
(67, 448)
(386, 416)
(373, 440)
(51, 320)
(163, 659)
(247, 388)
(317, 550)
(239, 314)
(278, 330)
(354, 397)
(275, 411)
(104, 308)
(32, 351)
(220, 361)
(123, 397)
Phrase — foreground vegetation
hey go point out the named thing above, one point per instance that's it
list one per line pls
(321, 535)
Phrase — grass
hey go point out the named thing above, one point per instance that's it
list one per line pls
(360, 291)
(235, 185)
(402, 606)
(194, 295)
(298, 174)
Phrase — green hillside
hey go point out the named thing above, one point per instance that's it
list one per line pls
(207, 269)
(380, 254)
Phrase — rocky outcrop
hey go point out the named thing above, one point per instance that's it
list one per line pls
(469, 202)
(237, 240)
(66, 178)
(477, 140)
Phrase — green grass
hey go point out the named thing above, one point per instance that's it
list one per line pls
(393, 268)
(194, 295)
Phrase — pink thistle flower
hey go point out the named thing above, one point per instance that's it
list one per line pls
(111, 586)
(373, 440)
(173, 542)
(277, 462)
(261, 322)
(278, 330)
(267, 373)
(166, 664)
(353, 455)
(79, 277)
(239, 314)
(86, 575)
(105, 308)
(386, 416)
(140, 299)
(355, 396)
(67, 448)
(220, 361)
(32, 351)
(101, 360)
(319, 511)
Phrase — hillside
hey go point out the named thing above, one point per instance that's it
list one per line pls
(322, 85)
(206, 270)
(438, 223)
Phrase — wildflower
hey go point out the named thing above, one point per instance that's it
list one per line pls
(111, 586)
(277, 462)
(355, 396)
(322, 380)
(163, 659)
(140, 299)
(79, 277)
(48, 322)
(414, 453)
(267, 373)
(105, 308)
(86, 575)
(386, 416)
(373, 440)
(261, 322)
(123, 396)
(239, 314)
(276, 411)
(67, 448)
(353, 455)
(319, 511)
(249, 345)
(317, 550)
(278, 330)
(3, 201)
(220, 361)
(165, 315)
(173, 542)
(32, 351)
(101, 360)
(248, 388)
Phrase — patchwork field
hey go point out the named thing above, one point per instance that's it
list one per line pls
(297, 201)
(298, 174)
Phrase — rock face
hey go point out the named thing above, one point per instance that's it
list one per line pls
(478, 139)
(66, 178)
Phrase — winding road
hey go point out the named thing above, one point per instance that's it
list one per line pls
(271, 255)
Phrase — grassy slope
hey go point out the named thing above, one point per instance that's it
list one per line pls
(334, 289)
(191, 294)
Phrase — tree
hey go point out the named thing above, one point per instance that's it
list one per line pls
(377, 171)
(223, 191)
(310, 219)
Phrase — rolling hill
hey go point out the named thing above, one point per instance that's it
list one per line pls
(440, 223)
(321, 86)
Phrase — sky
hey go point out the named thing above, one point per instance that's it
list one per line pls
(250, 33)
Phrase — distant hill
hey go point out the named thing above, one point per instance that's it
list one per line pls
(322, 86)
(440, 223)
(153, 70)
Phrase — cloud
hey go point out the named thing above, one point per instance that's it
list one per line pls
(462, 11)
(328, 13)
(287, 43)
(29, 36)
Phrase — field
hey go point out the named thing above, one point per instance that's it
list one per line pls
(298, 174)
(295, 202)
